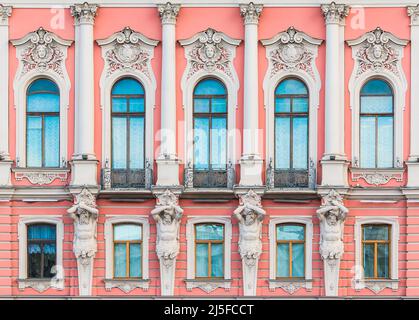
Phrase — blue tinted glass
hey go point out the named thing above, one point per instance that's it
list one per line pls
(217, 257)
(283, 260)
(375, 232)
(289, 232)
(385, 142)
(368, 252)
(210, 87)
(127, 232)
(120, 260)
(376, 87)
(209, 232)
(136, 104)
(376, 104)
(382, 260)
(127, 86)
(298, 259)
(43, 85)
(300, 105)
(367, 145)
(119, 104)
(34, 141)
(201, 143)
(282, 105)
(219, 143)
(291, 86)
(136, 143)
(300, 142)
(282, 143)
(43, 96)
(219, 105)
(201, 105)
(202, 260)
(52, 141)
(41, 232)
(119, 143)
(135, 260)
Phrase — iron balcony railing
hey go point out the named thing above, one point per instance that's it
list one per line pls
(291, 178)
(198, 178)
(127, 178)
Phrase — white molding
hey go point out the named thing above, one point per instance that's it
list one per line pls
(40, 285)
(279, 70)
(377, 285)
(54, 70)
(190, 240)
(395, 76)
(308, 222)
(108, 235)
(192, 77)
(377, 176)
(138, 67)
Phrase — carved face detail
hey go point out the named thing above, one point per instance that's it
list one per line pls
(41, 51)
(377, 51)
(332, 218)
(249, 216)
(84, 217)
(210, 51)
(167, 217)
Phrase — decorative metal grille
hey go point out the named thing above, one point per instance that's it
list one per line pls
(127, 178)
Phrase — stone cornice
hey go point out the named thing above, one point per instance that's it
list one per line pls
(334, 13)
(84, 13)
(251, 12)
(5, 13)
(168, 12)
(413, 13)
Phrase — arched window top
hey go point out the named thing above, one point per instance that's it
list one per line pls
(43, 96)
(210, 87)
(291, 87)
(43, 86)
(376, 87)
(128, 86)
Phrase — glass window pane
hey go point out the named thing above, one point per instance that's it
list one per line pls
(127, 232)
(209, 232)
(298, 259)
(218, 105)
(49, 259)
(119, 143)
(376, 86)
(368, 139)
(201, 143)
(120, 260)
(376, 232)
(282, 105)
(217, 257)
(119, 104)
(135, 260)
(41, 232)
(291, 86)
(283, 260)
(385, 142)
(127, 86)
(382, 260)
(289, 232)
(300, 105)
(34, 260)
(201, 105)
(34, 141)
(43, 102)
(300, 143)
(42, 85)
(136, 104)
(219, 143)
(368, 252)
(210, 87)
(201, 260)
(136, 141)
(52, 141)
(376, 104)
(282, 143)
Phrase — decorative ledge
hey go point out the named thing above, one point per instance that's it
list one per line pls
(377, 177)
(41, 285)
(376, 286)
(208, 285)
(126, 285)
(290, 285)
(41, 176)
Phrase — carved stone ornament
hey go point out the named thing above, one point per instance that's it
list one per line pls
(128, 50)
(41, 177)
(251, 12)
(334, 13)
(291, 51)
(167, 215)
(377, 178)
(168, 12)
(290, 287)
(84, 13)
(41, 285)
(41, 51)
(126, 285)
(376, 286)
(332, 215)
(413, 13)
(85, 214)
(5, 13)
(208, 286)
(210, 51)
(378, 51)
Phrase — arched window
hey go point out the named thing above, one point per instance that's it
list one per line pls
(210, 134)
(376, 125)
(43, 124)
(291, 134)
(128, 129)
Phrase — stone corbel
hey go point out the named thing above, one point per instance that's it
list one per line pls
(41, 285)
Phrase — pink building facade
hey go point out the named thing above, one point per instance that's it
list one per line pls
(194, 149)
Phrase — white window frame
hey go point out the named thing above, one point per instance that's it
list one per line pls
(40, 285)
(208, 285)
(126, 285)
(377, 285)
(291, 285)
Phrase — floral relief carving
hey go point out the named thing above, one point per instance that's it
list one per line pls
(377, 178)
(208, 286)
(40, 178)
(126, 285)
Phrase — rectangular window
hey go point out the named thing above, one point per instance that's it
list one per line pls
(41, 250)
(376, 251)
(209, 251)
(127, 239)
(290, 241)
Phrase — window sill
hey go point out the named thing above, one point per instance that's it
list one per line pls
(208, 285)
(41, 176)
(377, 176)
(290, 285)
(126, 285)
(41, 285)
(376, 285)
